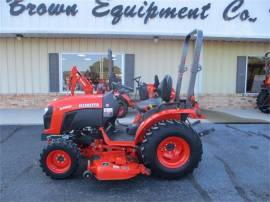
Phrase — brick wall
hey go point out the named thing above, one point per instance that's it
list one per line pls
(206, 101)
(227, 101)
(27, 100)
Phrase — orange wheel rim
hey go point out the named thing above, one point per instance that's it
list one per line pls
(58, 161)
(173, 152)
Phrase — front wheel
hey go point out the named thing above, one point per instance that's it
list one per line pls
(60, 159)
(171, 150)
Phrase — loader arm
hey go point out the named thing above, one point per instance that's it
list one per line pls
(77, 77)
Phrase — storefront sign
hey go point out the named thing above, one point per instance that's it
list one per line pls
(241, 18)
(18, 7)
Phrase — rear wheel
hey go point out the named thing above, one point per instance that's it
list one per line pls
(263, 101)
(60, 159)
(123, 110)
(171, 150)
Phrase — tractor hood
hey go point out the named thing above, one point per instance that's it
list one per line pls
(69, 103)
(80, 111)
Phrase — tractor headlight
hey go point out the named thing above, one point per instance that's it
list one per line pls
(45, 110)
(47, 117)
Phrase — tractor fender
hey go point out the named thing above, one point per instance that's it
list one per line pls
(170, 114)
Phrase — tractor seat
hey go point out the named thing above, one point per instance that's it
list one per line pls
(164, 92)
(145, 105)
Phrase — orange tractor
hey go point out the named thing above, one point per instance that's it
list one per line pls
(263, 98)
(159, 141)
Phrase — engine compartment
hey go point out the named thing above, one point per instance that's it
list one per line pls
(74, 113)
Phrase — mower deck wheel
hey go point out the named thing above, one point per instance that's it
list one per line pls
(60, 159)
(171, 150)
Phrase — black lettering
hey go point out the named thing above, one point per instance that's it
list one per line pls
(252, 19)
(151, 12)
(117, 13)
(101, 5)
(53, 9)
(193, 13)
(168, 12)
(140, 11)
(16, 8)
(181, 12)
(232, 8)
(62, 9)
(244, 15)
(130, 12)
(72, 10)
(204, 9)
(41, 9)
(31, 8)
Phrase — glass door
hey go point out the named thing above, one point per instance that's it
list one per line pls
(94, 66)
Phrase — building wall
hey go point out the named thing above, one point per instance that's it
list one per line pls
(24, 63)
(220, 63)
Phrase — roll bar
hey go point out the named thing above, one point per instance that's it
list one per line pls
(110, 59)
(112, 77)
(267, 63)
(195, 67)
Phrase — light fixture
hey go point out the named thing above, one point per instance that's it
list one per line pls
(81, 55)
(156, 39)
(88, 59)
(64, 59)
(19, 37)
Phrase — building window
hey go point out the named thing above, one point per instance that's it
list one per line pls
(94, 66)
(255, 74)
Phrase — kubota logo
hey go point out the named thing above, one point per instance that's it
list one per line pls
(89, 105)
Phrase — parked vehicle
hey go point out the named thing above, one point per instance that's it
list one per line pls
(263, 98)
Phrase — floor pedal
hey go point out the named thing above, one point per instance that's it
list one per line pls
(195, 123)
(206, 132)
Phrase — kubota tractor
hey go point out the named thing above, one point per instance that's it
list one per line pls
(160, 140)
(263, 98)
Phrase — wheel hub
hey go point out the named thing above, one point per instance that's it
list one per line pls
(58, 161)
(61, 158)
(170, 147)
(173, 152)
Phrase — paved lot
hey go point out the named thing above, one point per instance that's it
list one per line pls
(34, 116)
(235, 167)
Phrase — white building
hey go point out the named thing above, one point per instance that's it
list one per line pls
(40, 40)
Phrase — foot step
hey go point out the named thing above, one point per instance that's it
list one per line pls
(195, 123)
(206, 132)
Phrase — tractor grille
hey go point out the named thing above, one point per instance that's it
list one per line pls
(47, 118)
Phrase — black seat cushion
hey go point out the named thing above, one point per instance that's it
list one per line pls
(145, 105)
(165, 88)
(156, 82)
(143, 91)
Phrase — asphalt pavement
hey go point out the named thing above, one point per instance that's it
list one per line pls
(235, 167)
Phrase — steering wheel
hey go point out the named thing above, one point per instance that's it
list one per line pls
(138, 80)
(119, 86)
